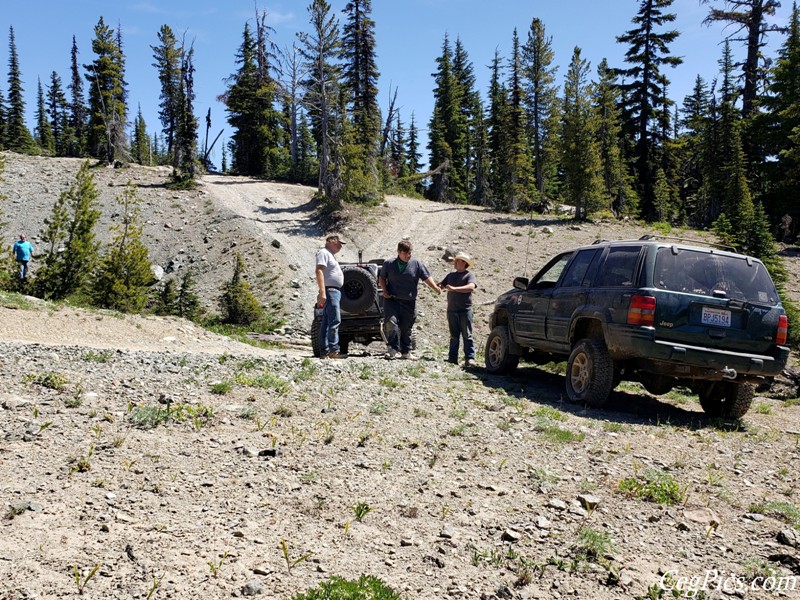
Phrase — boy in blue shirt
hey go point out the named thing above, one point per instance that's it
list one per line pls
(23, 250)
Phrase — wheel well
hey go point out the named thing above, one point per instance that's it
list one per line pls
(500, 318)
(586, 328)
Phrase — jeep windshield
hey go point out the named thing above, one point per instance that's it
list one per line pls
(712, 274)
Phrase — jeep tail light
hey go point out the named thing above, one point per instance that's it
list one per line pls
(783, 330)
(642, 311)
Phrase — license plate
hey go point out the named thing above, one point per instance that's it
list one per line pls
(716, 317)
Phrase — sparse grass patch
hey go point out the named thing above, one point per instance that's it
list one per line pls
(366, 587)
(389, 382)
(97, 357)
(541, 476)
(50, 380)
(592, 544)
(654, 486)
(421, 412)
(613, 427)
(151, 416)
(548, 412)
(221, 388)
(265, 381)
(557, 435)
(307, 371)
(763, 408)
(283, 411)
(784, 511)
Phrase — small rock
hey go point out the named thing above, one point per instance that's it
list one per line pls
(509, 535)
(788, 537)
(447, 532)
(547, 229)
(588, 501)
(276, 244)
(557, 504)
(543, 522)
(684, 526)
(704, 516)
(269, 452)
(756, 517)
(405, 542)
(252, 588)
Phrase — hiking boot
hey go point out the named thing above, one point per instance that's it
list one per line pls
(407, 356)
(337, 355)
(391, 354)
(470, 363)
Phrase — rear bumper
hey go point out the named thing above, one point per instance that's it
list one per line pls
(694, 362)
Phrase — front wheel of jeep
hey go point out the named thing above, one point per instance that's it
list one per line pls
(498, 357)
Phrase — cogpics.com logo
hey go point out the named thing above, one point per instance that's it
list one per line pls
(726, 583)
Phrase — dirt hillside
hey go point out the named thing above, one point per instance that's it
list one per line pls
(144, 457)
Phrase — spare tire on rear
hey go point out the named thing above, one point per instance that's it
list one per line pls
(360, 289)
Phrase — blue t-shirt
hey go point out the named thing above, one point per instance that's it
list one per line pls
(403, 286)
(22, 250)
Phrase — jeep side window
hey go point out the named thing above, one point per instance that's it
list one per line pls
(619, 267)
(549, 275)
(577, 269)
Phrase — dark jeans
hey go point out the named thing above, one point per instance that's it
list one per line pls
(399, 316)
(460, 323)
(331, 319)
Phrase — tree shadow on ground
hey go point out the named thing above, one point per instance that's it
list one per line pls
(543, 387)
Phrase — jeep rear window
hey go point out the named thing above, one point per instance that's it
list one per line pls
(618, 270)
(697, 272)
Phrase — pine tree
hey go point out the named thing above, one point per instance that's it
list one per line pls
(166, 299)
(77, 108)
(539, 76)
(580, 162)
(167, 56)
(3, 122)
(185, 163)
(140, 145)
(107, 109)
(70, 248)
(695, 120)
(18, 137)
(781, 127)
(321, 50)
(43, 134)
(187, 303)
(617, 181)
(497, 125)
(643, 95)
(124, 274)
(360, 80)
(520, 167)
(238, 304)
(249, 102)
(58, 114)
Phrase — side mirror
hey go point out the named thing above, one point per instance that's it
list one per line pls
(521, 283)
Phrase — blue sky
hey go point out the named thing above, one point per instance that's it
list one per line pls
(409, 37)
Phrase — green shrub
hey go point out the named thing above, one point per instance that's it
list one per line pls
(654, 486)
(366, 588)
(238, 304)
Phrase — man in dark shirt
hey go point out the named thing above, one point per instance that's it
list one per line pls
(399, 279)
(459, 285)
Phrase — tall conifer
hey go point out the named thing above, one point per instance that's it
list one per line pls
(18, 136)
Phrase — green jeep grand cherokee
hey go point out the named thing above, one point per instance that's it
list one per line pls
(650, 310)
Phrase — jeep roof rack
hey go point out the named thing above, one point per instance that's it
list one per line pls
(652, 236)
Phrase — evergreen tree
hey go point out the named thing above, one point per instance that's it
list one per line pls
(77, 108)
(18, 137)
(250, 103)
(167, 56)
(185, 163)
(58, 114)
(124, 273)
(781, 127)
(321, 50)
(498, 135)
(140, 146)
(166, 300)
(107, 109)
(413, 154)
(749, 20)
(643, 96)
(43, 134)
(539, 76)
(617, 181)
(520, 167)
(71, 251)
(238, 304)
(695, 120)
(187, 303)
(580, 157)
(360, 80)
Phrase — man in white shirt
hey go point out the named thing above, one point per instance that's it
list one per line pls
(330, 280)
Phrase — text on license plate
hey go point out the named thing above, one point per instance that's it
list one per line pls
(716, 317)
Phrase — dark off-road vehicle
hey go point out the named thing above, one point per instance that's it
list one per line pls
(664, 313)
(361, 307)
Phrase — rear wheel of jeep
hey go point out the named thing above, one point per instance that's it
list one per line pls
(498, 357)
(590, 373)
(360, 289)
(726, 399)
